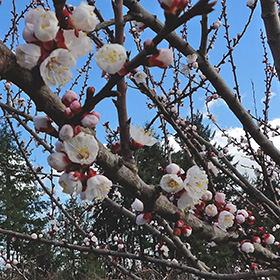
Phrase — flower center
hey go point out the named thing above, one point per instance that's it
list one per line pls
(83, 153)
(173, 184)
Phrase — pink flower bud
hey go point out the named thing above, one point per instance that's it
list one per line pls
(186, 230)
(66, 132)
(177, 231)
(90, 120)
(256, 239)
(68, 97)
(243, 212)
(220, 197)
(174, 7)
(251, 220)
(58, 146)
(173, 168)
(68, 113)
(207, 196)
(230, 207)
(59, 161)
(240, 219)
(211, 210)
(43, 124)
(268, 238)
(75, 106)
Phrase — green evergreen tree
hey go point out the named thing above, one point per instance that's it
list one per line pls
(21, 207)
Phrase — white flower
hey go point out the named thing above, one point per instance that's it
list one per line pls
(211, 210)
(82, 148)
(70, 183)
(55, 68)
(111, 58)
(164, 249)
(78, 44)
(196, 184)
(185, 69)
(140, 77)
(94, 239)
(171, 183)
(43, 24)
(141, 136)
(137, 205)
(247, 247)
(162, 59)
(83, 17)
(58, 161)
(98, 187)
(28, 55)
(225, 220)
(191, 58)
(42, 123)
(46, 26)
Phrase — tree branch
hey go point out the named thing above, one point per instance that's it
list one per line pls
(272, 26)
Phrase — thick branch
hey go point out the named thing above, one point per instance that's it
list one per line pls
(272, 26)
(216, 80)
(32, 83)
(122, 87)
(207, 275)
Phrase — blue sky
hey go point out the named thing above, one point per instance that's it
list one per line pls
(248, 56)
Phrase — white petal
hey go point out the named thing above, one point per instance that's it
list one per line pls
(28, 55)
(83, 148)
(79, 46)
(97, 187)
(55, 68)
(111, 58)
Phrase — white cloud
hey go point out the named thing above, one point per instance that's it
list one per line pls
(245, 164)
(172, 142)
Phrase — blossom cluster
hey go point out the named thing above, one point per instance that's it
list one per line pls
(53, 48)
(76, 151)
(190, 187)
(224, 215)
